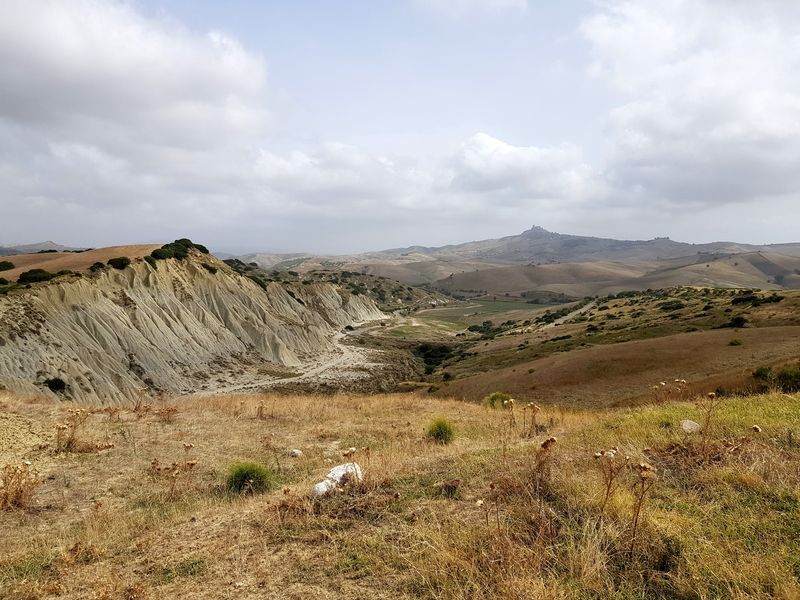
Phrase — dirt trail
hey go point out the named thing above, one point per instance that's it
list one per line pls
(345, 362)
(571, 315)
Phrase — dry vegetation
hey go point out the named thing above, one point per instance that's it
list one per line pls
(622, 504)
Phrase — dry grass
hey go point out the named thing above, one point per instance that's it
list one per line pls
(496, 513)
(81, 261)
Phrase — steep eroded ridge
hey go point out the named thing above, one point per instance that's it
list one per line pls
(178, 327)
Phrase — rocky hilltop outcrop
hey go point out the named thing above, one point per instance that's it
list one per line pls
(178, 326)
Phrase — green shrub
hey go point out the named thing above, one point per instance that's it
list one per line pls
(735, 342)
(6, 265)
(56, 385)
(35, 275)
(119, 262)
(3, 281)
(249, 478)
(441, 431)
(210, 268)
(151, 261)
(495, 399)
(98, 266)
(178, 249)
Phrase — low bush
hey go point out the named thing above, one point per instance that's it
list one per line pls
(179, 249)
(735, 342)
(249, 478)
(3, 281)
(6, 265)
(441, 431)
(98, 266)
(34, 276)
(119, 262)
(17, 485)
(495, 399)
(151, 261)
(210, 268)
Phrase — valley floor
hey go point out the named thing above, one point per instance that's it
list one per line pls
(132, 503)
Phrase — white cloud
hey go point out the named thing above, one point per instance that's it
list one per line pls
(488, 165)
(115, 128)
(711, 110)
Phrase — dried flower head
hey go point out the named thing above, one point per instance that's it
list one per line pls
(548, 443)
(756, 429)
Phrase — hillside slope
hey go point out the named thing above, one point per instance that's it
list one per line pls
(177, 327)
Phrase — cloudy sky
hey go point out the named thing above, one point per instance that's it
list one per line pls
(346, 126)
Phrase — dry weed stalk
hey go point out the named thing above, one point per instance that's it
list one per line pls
(67, 439)
(707, 405)
(179, 476)
(610, 469)
(533, 428)
(645, 480)
(18, 484)
(166, 414)
(542, 469)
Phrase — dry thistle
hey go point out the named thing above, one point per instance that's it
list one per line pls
(610, 468)
(645, 480)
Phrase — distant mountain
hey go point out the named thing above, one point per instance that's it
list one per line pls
(416, 265)
(33, 248)
(537, 245)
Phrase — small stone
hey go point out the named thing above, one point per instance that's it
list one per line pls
(295, 453)
(690, 426)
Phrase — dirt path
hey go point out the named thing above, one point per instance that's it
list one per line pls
(345, 362)
(571, 315)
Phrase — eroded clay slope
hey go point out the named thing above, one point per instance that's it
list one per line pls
(176, 328)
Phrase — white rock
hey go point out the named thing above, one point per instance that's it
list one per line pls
(337, 476)
(690, 426)
(295, 453)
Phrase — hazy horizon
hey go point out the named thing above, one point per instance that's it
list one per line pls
(335, 129)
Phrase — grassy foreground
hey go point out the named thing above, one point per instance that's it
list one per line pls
(133, 503)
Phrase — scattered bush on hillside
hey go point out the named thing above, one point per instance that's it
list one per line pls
(3, 281)
(670, 305)
(34, 276)
(210, 268)
(786, 379)
(735, 342)
(754, 300)
(119, 262)
(47, 251)
(179, 249)
(736, 322)
(441, 431)
(6, 265)
(151, 261)
(98, 266)
(496, 400)
(433, 355)
(249, 478)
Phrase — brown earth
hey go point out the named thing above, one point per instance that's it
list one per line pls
(73, 261)
(624, 373)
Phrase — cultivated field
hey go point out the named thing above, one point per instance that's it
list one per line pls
(73, 261)
(133, 503)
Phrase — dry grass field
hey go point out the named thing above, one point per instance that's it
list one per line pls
(73, 261)
(132, 503)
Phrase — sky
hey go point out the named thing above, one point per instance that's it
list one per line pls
(342, 127)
